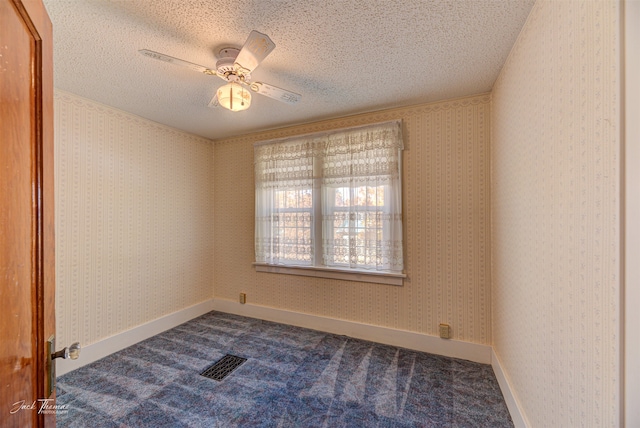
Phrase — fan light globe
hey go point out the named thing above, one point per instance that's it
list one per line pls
(234, 96)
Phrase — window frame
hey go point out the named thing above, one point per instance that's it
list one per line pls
(317, 266)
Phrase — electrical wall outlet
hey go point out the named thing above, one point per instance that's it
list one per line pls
(243, 298)
(445, 331)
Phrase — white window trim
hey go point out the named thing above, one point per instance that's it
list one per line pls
(333, 273)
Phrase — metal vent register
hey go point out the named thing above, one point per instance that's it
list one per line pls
(223, 367)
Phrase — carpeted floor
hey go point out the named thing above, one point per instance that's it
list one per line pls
(293, 377)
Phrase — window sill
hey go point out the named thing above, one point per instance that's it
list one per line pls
(330, 273)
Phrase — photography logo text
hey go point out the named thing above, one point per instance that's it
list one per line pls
(42, 405)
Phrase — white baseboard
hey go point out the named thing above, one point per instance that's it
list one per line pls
(119, 341)
(515, 409)
(389, 336)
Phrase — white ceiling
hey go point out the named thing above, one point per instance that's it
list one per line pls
(343, 56)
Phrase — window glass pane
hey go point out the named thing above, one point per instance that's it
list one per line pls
(380, 195)
(357, 226)
(292, 226)
(306, 198)
(342, 197)
(360, 196)
(279, 202)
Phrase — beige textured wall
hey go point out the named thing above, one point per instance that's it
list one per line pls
(134, 230)
(555, 215)
(446, 207)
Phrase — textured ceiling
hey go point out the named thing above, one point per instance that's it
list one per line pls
(342, 56)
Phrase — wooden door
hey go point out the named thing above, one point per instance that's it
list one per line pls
(27, 263)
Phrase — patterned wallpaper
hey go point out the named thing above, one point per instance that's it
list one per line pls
(134, 230)
(446, 207)
(555, 215)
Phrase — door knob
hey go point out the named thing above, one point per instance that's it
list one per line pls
(72, 352)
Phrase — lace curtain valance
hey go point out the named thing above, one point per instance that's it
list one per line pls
(344, 155)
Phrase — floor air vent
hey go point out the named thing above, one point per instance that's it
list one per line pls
(223, 367)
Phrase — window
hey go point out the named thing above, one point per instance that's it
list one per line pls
(331, 200)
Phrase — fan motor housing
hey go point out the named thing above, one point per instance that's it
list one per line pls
(225, 65)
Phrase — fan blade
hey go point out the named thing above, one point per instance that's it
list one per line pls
(275, 92)
(255, 49)
(177, 61)
(214, 101)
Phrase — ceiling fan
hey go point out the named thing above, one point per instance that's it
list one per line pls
(235, 66)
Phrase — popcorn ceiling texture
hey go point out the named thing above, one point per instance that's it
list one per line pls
(342, 56)
(555, 215)
(134, 236)
(446, 211)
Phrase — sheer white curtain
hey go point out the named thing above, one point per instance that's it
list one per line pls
(362, 198)
(284, 210)
(339, 192)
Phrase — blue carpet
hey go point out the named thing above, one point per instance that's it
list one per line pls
(293, 377)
